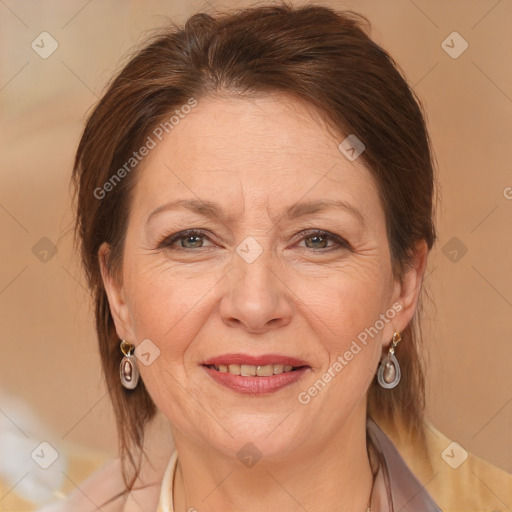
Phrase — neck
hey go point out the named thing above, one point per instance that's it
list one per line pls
(334, 475)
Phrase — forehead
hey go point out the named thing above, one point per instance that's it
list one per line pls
(231, 129)
(269, 150)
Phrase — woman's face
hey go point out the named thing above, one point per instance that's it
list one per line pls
(257, 177)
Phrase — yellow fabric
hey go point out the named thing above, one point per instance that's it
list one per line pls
(474, 486)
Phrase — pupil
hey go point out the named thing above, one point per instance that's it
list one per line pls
(188, 239)
(317, 238)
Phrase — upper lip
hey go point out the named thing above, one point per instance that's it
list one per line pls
(262, 360)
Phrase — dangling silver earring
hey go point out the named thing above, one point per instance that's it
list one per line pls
(128, 370)
(389, 374)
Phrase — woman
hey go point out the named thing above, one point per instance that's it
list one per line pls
(255, 212)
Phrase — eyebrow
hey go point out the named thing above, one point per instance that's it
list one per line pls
(212, 210)
(309, 207)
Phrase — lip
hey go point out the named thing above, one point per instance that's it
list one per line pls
(256, 385)
(255, 360)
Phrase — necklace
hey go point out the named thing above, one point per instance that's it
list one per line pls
(374, 461)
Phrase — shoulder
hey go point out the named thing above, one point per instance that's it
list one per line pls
(105, 489)
(465, 479)
(455, 478)
(96, 491)
(93, 479)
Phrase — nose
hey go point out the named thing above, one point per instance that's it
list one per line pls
(257, 299)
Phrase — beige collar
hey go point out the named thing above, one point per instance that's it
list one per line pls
(165, 503)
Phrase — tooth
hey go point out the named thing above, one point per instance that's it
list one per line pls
(247, 370)
(265, 371)
(234, 369)
(278, 368)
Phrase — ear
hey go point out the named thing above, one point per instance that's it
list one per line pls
(407, 290)
(116, 297)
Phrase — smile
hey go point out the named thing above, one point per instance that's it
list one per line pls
(255, 380)
(249, 370)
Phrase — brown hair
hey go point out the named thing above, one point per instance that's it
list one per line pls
(317, 54)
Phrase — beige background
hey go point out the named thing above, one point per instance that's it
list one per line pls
(48, 354)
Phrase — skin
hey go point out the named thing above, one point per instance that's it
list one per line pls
(255, 157)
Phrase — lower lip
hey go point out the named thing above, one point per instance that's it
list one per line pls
(256, 385)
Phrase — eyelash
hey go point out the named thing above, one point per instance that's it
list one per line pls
(168, 241)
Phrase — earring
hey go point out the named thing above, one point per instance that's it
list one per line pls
(128, 370)
(389, 374)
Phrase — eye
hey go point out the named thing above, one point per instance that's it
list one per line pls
(194, 239)
(319, 239)
(189, 239)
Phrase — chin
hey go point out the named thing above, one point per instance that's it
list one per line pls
(256, 442)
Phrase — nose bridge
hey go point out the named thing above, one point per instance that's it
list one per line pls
(256, 297)
(254, 267)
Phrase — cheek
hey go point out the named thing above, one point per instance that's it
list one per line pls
(166, 308)
(344, 304)
(340, 312)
